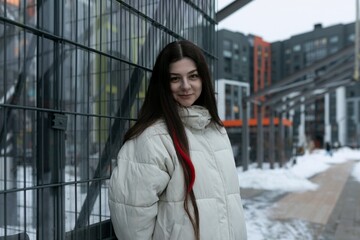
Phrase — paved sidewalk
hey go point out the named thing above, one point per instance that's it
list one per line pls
(315, 206)
(334, 206)
(344, 222)
(333, 209)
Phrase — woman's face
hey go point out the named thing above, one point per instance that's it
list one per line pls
(185, 82)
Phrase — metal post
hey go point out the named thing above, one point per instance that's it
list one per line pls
(245, 136)
(230, 9)
(51, 135)
(260, 137)
(272, 140)
(281, 141)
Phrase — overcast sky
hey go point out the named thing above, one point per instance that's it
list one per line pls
(277, 20)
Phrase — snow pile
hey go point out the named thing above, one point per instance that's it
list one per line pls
(295, 176)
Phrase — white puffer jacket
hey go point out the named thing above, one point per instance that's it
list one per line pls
(146, 188)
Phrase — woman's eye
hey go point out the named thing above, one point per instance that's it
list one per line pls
(174, 79)
(194, 76)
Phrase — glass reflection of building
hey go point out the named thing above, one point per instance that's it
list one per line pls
(73, 75)
(229, 100)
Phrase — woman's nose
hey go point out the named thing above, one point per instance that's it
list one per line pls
(185, 84)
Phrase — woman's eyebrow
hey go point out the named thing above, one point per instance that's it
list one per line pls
(192, 71)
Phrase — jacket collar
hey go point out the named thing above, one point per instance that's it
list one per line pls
(197, 117)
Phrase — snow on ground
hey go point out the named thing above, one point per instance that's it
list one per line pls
(294, 177)
(274, 179)
(261, 227)
(276, 182)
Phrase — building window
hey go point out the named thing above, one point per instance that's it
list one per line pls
(308, 46)
(227, 45)
(334, 39)
(351, 37)
(236, 110)
(227, 89)
(297, 48)
(228, 109)
(350, 109)
(323, 41)
(236, 48)
(227, 54)
(227, 65)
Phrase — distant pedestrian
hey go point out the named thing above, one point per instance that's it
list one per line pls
(328, 149)
(176, 176)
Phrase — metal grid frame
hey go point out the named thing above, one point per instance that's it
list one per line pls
(73, 76)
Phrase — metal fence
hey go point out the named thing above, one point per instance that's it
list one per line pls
(73, 75)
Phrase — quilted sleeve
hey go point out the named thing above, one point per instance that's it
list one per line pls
(135, 185)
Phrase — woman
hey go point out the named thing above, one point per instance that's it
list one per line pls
(176, 176)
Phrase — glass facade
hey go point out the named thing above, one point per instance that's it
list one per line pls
(73, 75)
(353, 122)
(229, 99)
(233, 97)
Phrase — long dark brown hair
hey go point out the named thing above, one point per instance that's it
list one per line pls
(159, 103)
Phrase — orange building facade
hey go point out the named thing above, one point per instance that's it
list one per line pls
(262, 68)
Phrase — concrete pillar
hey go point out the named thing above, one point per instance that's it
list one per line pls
(341, 116)
(302, 137)
(327, 124)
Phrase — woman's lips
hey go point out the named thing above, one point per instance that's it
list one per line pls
(185, 96)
